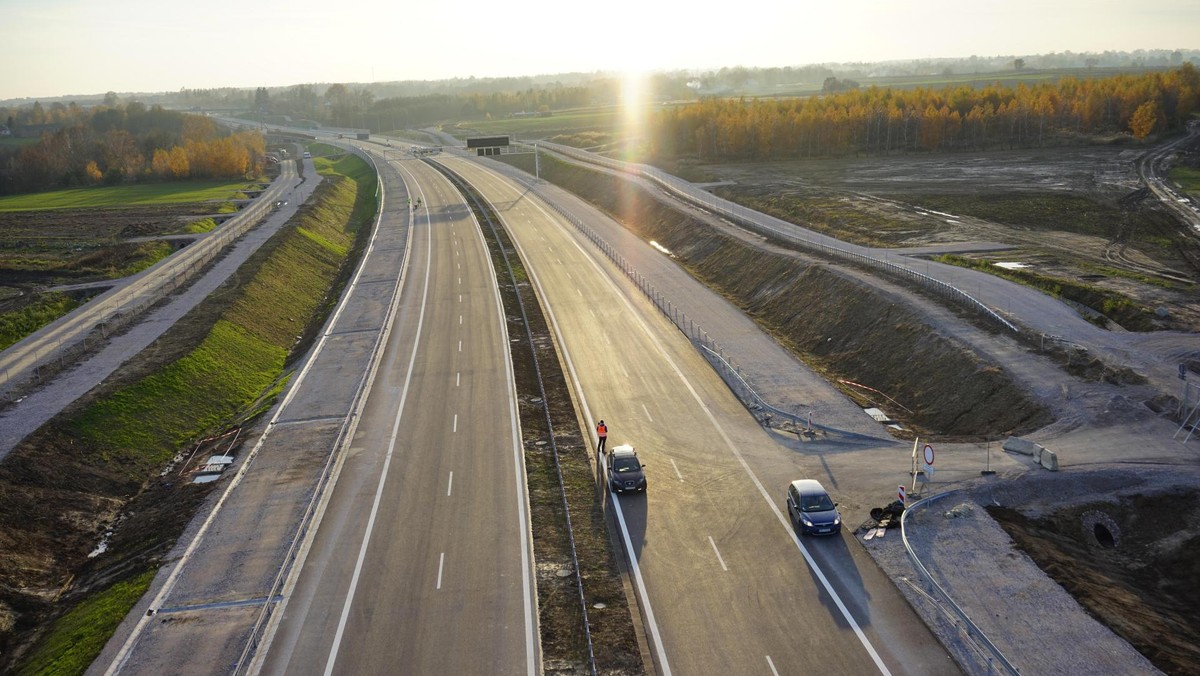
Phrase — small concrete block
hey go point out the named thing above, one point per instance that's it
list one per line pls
(1049, 460)
(1019, 445)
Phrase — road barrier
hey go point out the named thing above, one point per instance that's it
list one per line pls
(964, 622)
(709, 348)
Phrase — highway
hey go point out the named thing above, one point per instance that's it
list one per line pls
(725, 585)
(422, 562)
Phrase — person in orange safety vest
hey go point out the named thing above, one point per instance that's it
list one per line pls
(602, 434)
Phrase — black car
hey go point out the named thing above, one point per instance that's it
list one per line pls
(625, 473)
(811, 509)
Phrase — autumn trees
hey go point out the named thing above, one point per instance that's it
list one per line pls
(124, 143)
(880, 121)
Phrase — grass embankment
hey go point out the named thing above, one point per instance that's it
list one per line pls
(1115, 306)
(80, 634)
(16, 325)
(126, 195)
(838, 326)
(76, 474)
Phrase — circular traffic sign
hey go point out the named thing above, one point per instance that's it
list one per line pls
(928, 451)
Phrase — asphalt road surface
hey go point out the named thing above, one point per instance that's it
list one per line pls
(422, 562)
(725, 585)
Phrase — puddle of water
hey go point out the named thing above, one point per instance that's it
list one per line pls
(1011, 265)
(661, 248)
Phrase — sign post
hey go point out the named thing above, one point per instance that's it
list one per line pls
(912, 470)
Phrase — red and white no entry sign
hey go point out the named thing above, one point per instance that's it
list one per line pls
(901, 494)
(928, 451)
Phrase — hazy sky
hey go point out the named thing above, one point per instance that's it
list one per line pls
(63, 47)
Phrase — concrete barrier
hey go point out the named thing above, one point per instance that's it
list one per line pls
(1048, 459)
(1019, 445)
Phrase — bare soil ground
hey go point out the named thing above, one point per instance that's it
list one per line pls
(1058, 211)
(1129, 557)
(64, 246)
(1129, 552)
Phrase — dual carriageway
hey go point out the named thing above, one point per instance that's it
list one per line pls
(416, 557)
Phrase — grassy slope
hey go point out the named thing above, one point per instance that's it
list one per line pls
(124, 195)
(16, 325)
(80, 634)
(141, 426)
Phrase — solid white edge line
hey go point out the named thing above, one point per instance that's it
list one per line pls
(168, 586)
(362, 552)
(529, 591)
(647, 611)
(816, 569)
(716, 551)
(298, 566)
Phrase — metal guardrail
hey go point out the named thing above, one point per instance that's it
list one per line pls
(345, 434)
(967, 624)
(709, 348)
(134, 299)
(786, 231)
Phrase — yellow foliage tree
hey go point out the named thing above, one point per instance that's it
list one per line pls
(1145, 119)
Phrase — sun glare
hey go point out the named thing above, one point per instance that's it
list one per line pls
(633, 103)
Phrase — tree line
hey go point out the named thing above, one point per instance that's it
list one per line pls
(881, 121)
(348, 106)
(128, 142)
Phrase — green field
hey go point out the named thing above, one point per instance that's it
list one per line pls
(607, 118)
(17, 142)
(125, 195)
(1187, 178)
